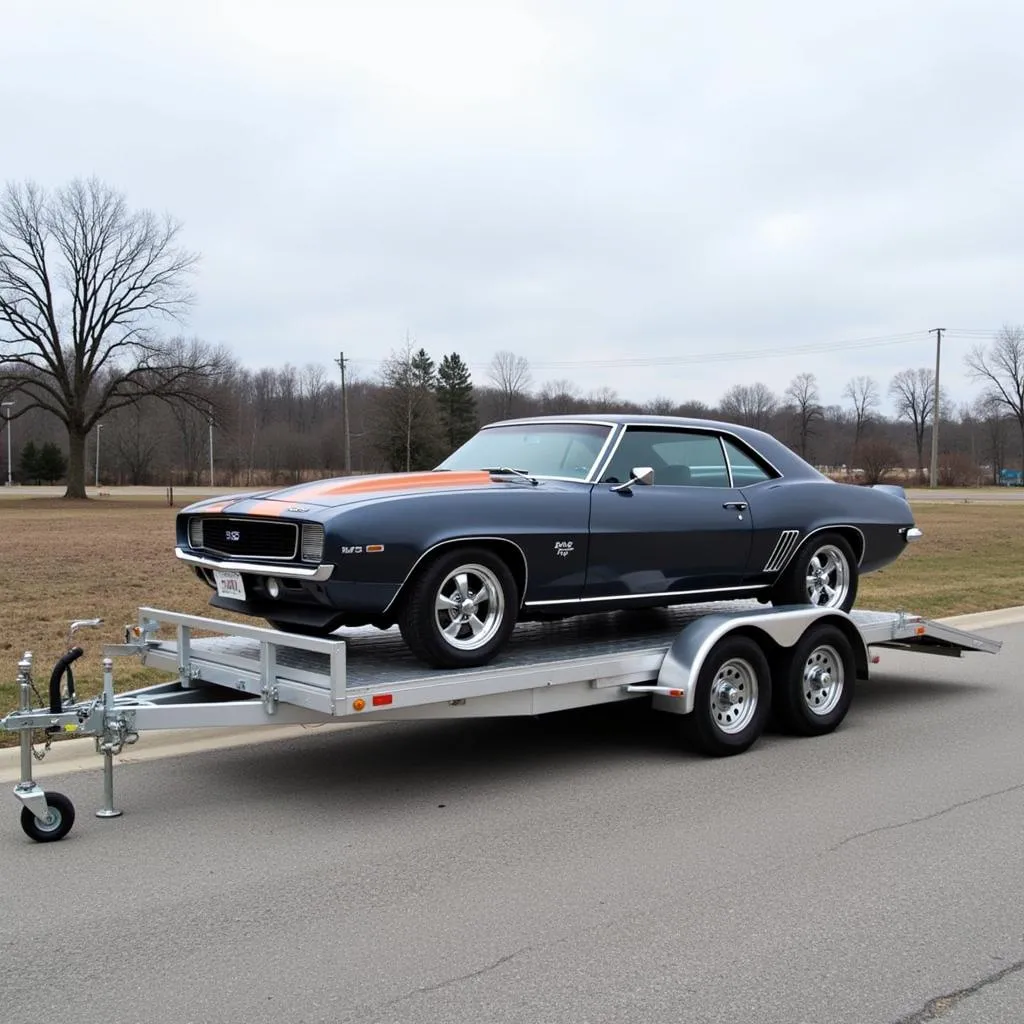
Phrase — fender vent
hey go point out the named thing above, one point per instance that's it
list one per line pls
(783, 549)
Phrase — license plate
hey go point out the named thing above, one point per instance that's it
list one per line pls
(229, 584)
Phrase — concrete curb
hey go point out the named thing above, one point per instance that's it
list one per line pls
(76, 755)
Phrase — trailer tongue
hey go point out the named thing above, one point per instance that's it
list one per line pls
(722, 669)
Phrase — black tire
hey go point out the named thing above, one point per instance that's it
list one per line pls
(825, 561)
(732, 698)
(815, 682)
(488, 582)
(62, 817)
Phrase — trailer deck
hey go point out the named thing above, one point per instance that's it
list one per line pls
(726, 662)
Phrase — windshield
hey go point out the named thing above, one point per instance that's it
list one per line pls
(539, 449)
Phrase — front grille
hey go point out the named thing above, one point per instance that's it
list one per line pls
(249, 538)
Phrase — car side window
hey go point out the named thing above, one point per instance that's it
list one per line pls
(746, 470)
(679, 458)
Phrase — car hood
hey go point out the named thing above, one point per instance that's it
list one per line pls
(350, 490)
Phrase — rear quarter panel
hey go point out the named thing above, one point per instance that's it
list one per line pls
(810, 506)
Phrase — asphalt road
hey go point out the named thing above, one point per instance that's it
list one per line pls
(579, 868)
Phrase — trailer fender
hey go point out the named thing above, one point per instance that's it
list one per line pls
(772, 627)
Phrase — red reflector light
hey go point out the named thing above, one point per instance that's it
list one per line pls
(380, 699)
(675, 693)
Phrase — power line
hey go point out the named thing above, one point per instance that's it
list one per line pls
(737, 355)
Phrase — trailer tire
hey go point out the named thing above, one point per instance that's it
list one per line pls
(62, 817)
(732, 698)
(428, 617)
(815, 681)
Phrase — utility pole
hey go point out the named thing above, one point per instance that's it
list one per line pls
(210, 417)
(933, 472)
(341, 361)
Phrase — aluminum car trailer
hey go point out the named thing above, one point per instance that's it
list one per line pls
(723, 668)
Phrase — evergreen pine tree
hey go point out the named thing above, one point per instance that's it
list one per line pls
(51, 465)
(456, 401)
(28, 466)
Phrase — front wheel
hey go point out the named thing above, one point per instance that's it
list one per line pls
(823, 573)
(57, 823)
(461, 609)
(732, 697)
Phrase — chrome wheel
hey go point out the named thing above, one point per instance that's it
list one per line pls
(824, 678)
(734, 695)
(828, 577)
(469, 607)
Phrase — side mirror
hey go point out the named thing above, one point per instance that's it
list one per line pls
(638, 475)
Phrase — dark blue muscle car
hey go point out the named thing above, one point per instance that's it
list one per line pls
(541, 518)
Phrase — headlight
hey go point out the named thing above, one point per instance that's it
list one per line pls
(312, 542)
(195, 532)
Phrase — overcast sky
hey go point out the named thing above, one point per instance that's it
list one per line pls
(663, 198)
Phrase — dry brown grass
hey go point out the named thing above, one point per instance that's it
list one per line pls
(66, 560)
(75, 560)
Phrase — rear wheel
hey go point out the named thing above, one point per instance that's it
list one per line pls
(823, 573)
(461, 609)
(814, 687)
(732, 697)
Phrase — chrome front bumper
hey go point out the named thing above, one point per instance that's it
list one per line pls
(296, 572)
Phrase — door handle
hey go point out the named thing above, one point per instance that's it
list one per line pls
(740, 506)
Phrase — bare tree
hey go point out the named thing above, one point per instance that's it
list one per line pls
(753, 405)
(803, 393)
(877, 458)
(559, 396)
(913, 392)
(510, 374)
(863, 394)
(83, 282)
(1001, 369)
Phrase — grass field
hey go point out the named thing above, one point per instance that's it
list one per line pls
(107, 557)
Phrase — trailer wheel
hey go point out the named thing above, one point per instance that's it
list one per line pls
(814, 687)
(732, 697)
(461, 609)
(58, 823)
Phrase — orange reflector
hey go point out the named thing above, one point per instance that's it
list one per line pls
(675, 693)
(373, 549)
(358, 704)
(381, 698)
(920, 631)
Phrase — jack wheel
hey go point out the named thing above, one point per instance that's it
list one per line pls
(57, 824)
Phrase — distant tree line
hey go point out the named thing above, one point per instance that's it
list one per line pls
(276, 426)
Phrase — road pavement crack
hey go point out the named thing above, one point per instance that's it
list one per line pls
(941, 1005)
(437, 986)
(927, 817)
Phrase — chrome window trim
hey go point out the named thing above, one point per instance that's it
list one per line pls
(644, 597)
(293, 523)
(743, 445)
(316, 575)
(688, 429)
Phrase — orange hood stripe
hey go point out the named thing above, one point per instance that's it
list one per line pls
(372, 485)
